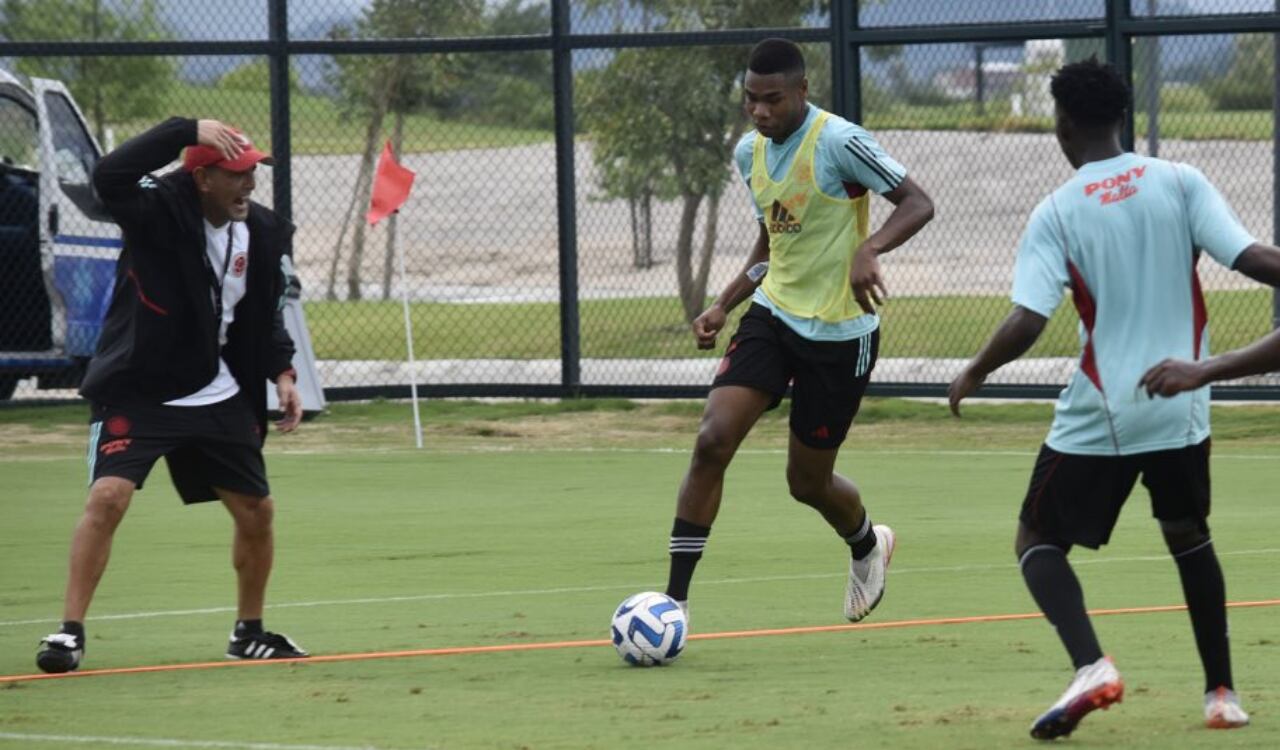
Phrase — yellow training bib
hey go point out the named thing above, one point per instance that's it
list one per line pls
(812, 236)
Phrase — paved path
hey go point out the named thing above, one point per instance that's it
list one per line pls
(482, 224)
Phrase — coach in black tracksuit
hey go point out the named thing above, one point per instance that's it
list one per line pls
(193, 333)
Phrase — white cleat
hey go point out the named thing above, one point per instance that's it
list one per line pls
(1222, 710)
(866, 576)
(1096, 685)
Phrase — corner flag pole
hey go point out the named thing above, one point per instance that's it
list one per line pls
(408, 341)
(391, 186)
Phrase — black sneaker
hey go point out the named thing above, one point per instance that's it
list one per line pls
(60, 652)
(264, 645)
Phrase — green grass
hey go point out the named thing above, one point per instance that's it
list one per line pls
(653, 327)
(319, 127)
(1251, 125)
(566, 534)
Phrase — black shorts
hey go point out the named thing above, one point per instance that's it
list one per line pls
(1077, 499)
(828, 378)
(205, 446)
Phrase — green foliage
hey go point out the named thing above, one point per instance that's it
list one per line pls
(111, 89)
(256, 76)
(506, 88)
(402, 83)
(494, 89)
(665, 122)
(1184, 98)
(1250, 82)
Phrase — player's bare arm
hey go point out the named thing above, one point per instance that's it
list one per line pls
(708, 325)
(1011, 340)
(1173, 376)
(1260, 263)
(913, 208)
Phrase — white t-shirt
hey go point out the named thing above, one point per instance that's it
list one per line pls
(224, 386)
(1125, 234)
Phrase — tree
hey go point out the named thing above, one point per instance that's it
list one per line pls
(372, 87)
(507, 87)
(630, 143)
(113, 89)
(255, 76)
(665, 122)
(1250, 82)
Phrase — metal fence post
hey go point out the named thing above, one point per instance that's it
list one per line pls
(1120, 54)
(278, 66)
(842, 83)
(1275, 169)
(1151, 87)
(853, 69)
(566, 200)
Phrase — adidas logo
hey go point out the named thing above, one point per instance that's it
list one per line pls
(781, 221)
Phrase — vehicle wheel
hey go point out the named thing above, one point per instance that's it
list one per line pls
(7, 384)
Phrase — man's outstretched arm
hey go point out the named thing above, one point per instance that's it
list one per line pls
(1011, 340)
(1173, 376)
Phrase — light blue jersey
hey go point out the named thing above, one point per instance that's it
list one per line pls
(847, 163)
(1125, 235)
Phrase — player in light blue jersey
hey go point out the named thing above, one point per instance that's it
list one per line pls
(1124, 235)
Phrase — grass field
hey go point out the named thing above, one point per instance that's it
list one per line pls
(1247, 125)
(654, 327)
(527, 522)
(319, 127)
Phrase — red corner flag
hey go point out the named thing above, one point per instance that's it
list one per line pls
(391, 185)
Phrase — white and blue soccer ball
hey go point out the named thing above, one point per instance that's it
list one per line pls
(649, 629)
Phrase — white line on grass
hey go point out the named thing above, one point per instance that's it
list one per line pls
(152, 742)
(610, 587)
(482, 449)
(687, 450)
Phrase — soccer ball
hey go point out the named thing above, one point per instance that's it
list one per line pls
(649, 629)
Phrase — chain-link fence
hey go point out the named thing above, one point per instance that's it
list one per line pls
(576, 202)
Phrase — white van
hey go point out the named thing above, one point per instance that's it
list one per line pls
(58, 248)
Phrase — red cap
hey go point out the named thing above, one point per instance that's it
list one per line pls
(208, 156)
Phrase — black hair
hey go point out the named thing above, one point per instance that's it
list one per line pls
(1093, 94)
(776, 56)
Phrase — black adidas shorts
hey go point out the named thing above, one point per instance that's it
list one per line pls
(1077, 499)
(205, 446)
(828, 378)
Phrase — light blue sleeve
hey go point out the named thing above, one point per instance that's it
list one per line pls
(742, 156)
(857, 157)
(1040, 272)
(1215, 228)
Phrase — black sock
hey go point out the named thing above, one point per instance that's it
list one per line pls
(1206, 596)
(1057, 590)
(687, 542)
(862, 541)
(248, 627)
(71, 627)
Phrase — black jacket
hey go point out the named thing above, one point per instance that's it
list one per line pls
(160, 338)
